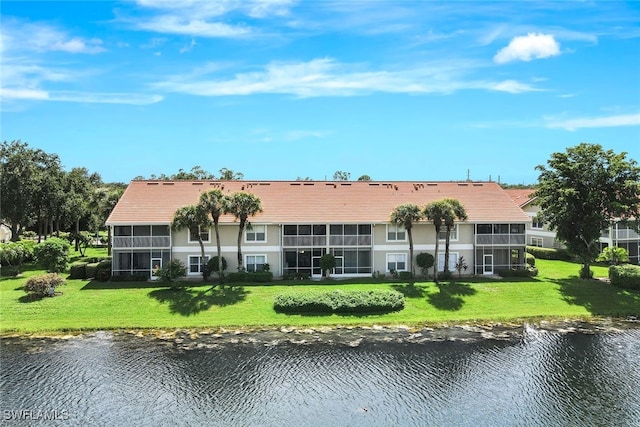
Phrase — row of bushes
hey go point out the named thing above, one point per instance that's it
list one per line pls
(100, 270)
(246, 276)
(625, 276)
(338, 301)
(550, 253)
(526, 272)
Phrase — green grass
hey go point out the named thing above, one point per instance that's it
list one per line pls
(90, 305)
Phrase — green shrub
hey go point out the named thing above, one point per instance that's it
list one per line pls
(549, 253)
(137, 277)
(14, 254)
(625, 276)
(43, 285)
(103, 275)
(78, 270)
(524, 272)
(213, 264)
(531, 260)
(405, 276)
(91, 269)
(245, 276)
(374, 301)
(173, 270)
(52, 254)
(425, 261)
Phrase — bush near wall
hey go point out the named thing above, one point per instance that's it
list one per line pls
(549, 253)
(625, 276)
(78, 270)
(344, 302)
(246, 276)
(525, 272)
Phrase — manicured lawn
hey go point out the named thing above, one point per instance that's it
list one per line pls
(91, 305)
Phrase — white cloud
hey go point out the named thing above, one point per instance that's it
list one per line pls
(594, 122)
(327, 77)
(193, 27)
(526, 48)
(39, 37)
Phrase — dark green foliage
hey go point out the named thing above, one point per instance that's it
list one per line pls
(327, 263)
(250, 277)
(173, 270)
(549, 253)
(138, 277)
(91, 269)
(43, 285)
(625, 276)
(14, 254)
(524, 272)
(531, 260)
(613, 255)
(405, 275)
(296, 276)
(213, 264)
(374, 301)
(52, 254)
(104, 275)
(78, 270)
(425, 261)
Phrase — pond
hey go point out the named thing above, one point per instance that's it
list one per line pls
(570, 375)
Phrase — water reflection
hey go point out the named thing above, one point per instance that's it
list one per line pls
(538, 378)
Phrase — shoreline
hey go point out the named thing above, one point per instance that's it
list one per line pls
(353, 336)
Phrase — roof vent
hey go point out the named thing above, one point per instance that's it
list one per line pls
(153, 183)
(197, 183)
(167, 183)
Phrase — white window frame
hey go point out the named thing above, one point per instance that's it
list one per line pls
(253, 231)
(535, 240)
(189, 264)
(246, 260)
(454, 233)
(396, 260)
(453, 259)
(208, 240)
(536, 224)
(396, 229)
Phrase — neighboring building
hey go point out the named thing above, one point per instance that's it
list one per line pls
(303, 220)
(538, 234)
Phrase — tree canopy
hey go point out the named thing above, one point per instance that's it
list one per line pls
(582, 190)
(405, 215)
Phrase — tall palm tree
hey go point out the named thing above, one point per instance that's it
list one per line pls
(435, 212)
(406, 215)
(190, 217)
(242, 206)
(456, 212)
(215, 203)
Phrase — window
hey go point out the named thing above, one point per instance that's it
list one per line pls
(255, 262)
(257, 233)
(536, 241)
(536, 223)
(454, 233)
(453, 260)
(195, 264)
(396, 232)
(396, 262)
(193, 234)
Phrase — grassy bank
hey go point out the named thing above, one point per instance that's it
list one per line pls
(92, 305)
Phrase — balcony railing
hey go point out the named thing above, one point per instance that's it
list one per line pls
(141, 241)
(500, 239)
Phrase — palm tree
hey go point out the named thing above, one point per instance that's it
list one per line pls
(215, 203)
(435, 212)
(242, 206)
(193, 217)
(456, 212)
(406, 215)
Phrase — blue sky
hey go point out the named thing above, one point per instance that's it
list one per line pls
(278, 89)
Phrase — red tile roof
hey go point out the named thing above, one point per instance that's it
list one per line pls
(148, 202)
(521, 196)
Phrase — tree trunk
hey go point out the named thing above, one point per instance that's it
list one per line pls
(218, 247)
(446, 249)
(410, 252)
(15, 232)
(203, 262)
(240, 232)
(77, 234)
(109, 240)
(435, 267)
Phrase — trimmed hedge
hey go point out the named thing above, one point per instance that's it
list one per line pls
(91, 269)
(625, 276)
(531, 260)
(78, 270)
(374, 301)
(549, 253)
(254, 276)
(525, 272)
